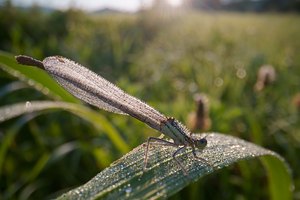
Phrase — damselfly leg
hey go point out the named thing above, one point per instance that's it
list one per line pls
(200, 159)
(162, 142)
(177, 161)
(155, 141)
(159, 141)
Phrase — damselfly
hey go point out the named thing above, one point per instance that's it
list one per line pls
(95, 90)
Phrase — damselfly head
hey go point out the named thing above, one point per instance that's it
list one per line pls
(201, 143)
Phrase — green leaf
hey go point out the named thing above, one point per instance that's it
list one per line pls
(278, 178)
(125, 178)
(34, 77)
(99, 122)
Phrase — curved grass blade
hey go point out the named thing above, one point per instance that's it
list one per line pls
(100, 123)
(35, 78)
(124, 179)
(277, 178)
(11, 87)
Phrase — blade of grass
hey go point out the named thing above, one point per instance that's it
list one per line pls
(99, 122)
(124, 179)
(11, 87)
(278, 180)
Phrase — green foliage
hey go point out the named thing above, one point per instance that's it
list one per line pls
(163, 59)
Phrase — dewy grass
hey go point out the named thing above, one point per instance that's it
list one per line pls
(125, 179)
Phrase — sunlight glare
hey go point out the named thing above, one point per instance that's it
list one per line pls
(174, 3)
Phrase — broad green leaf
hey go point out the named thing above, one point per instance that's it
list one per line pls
(125, 178)
(34, 77)
(100, 123)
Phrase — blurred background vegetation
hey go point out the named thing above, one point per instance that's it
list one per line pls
(164, 56)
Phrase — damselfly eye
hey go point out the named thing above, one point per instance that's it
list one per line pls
(201, 143)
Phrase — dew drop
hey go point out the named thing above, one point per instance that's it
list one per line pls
(122, 167)
(128, 190)
(31, 82)
(219, 167)
(28, 105)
